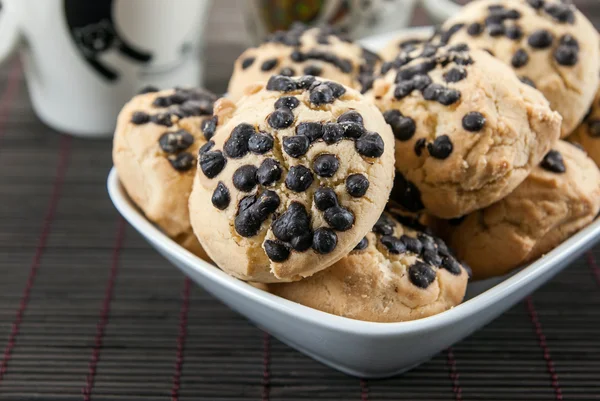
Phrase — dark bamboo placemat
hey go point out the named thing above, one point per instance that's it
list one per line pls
(89, 311)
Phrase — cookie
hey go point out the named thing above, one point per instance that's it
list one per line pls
(155, 147)
(467, 130)
(296, 174)
(561, 196)
(548, 43)
(303, 51)
(588, 133)
(395, 274)
(405, 43)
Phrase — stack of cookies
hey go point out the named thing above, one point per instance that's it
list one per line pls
(365, 185)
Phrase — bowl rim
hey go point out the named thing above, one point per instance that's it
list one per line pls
(326, 320)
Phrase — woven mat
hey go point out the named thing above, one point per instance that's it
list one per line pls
(89, 311)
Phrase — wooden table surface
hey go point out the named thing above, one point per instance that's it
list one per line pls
(88, 311)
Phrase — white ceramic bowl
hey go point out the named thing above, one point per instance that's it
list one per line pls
(363, 349)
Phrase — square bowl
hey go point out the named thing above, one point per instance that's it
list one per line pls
(358, 348)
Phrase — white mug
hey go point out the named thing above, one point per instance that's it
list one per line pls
(441, 10)
(83, 59)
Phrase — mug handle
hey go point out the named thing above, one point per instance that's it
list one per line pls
(441, 10)
(9, 30)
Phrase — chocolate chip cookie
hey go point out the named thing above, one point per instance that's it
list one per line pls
(395, 273)
(548, 43)
(467, 130)
(298, 171)
(561, 196)
(301, 51)
(156, 142)
(588, 133)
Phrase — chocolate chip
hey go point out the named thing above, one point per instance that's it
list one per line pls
(540, 39)
(527, 81)
(247, 62)
(287, 102)
(325, 198)
(450, 264)
(299, 178)
(281, 118)
(420, 82)
(139, 117)
(339, 218)
(162, 102)
(553, 161)
(448, 96)
(512, 14)
(148, 89)
(212, 163)
(370, 145)
(253, 211)
(594, 128)
(403, 127)
(433, 91)
(293, 223)
(537, 4)
(403, 89)
(244, 178)
(281, 84)
(236, 145)
(441, 147)
(268, 173)
(514, 32)
(475, 29)
(362, 245)
(324, 240)
(298, 56)
(162, 119)
(566, 55)
(206, 147)
(325, 165)
(384, 225)
(447, 35)
(312, 70)
(268, 65)
(421, 274)
(276, 251)
(260, 143)
(420, 144)
(561, 12)
(287, 72)
(312, 130)
(569, 40)
(296, 146)
(337, 89)
(220, 197)
(322, 94)
(442, 249)
(357, 185)
(332, 133)
(406, 194)
(432, 257)
(173, 142)
(496, 30)
(352, 116)
(423, 68)
(393, 244)
(455, 74)
(412, 244)
(209, 126)
(305, 81)
(520, 58)
(182, 161)
(473, 121)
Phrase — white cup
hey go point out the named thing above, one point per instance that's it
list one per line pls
(441, 10)
(83, 59)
